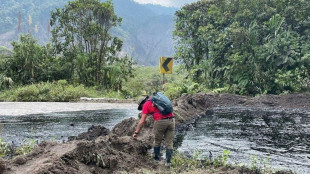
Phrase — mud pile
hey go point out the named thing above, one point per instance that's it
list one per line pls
(102, 151)
(189, 106)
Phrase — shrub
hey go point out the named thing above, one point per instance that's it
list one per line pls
(27, 93)
(59, 91)
(174, 90)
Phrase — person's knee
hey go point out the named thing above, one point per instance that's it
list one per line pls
(170, 146)
(156, 143)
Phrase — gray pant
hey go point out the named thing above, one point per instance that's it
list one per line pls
(164, 129)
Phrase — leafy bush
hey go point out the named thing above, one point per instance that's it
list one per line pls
(175, 90)
(296, 80)
(27, 93)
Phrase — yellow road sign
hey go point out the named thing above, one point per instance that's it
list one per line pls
(165, 65)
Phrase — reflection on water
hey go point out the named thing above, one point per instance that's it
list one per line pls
(282, 136)
(58, 126)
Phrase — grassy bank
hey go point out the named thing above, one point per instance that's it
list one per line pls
(145, 80)
(59, 91)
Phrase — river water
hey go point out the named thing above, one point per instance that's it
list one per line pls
(57, 121)
(254, 137)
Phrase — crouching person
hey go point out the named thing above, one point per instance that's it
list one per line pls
(164, 123)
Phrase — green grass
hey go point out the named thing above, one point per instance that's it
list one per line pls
(59, 91)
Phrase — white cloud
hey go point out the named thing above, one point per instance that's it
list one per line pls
(167, 3)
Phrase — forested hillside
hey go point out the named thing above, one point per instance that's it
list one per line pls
(146, 29)
(248, 47)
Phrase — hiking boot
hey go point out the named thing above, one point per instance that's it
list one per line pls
(168, 156)
(157, 153)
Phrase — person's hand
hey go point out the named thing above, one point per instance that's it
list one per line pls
(135, 135)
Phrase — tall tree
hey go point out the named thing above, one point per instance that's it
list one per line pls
(81, 34)
(23, 66)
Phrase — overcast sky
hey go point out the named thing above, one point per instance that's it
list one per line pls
(167, 3)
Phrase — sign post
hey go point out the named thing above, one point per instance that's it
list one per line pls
(165, 67)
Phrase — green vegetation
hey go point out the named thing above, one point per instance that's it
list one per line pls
(148, 79)
(243, 47)
(30, 62)
(198, 164)
(4, 49)
(27, 147)
(145, 80)
(8, 151)
(82, 52)
(59, 91)
(138, 20)
(89, 51)
(248, 47)
(220, 164)
(4, 148)
(260, 164)
(181, 163)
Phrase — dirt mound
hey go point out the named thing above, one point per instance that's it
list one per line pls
(105, 154)
(189, 106)
(92, 133)
(96, 151)
(102, 151)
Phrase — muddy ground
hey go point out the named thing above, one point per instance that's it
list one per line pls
(114, 151)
